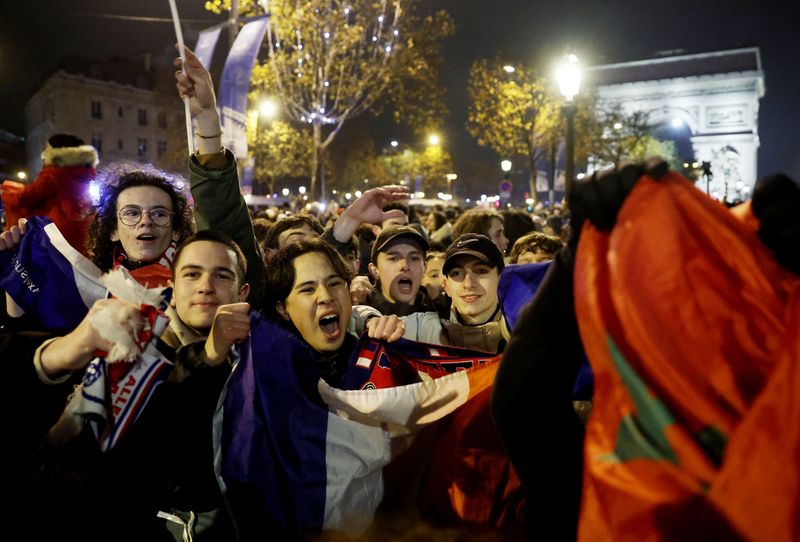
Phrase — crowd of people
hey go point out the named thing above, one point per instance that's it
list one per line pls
(375, 267)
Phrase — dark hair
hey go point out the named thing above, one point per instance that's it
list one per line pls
(288, 223)
(115, 179)
(214, 236)
(475, 221)
(535, 242)
(439, 219)
(281, 273)
(516, 223)
(396, 205)
(261, 228)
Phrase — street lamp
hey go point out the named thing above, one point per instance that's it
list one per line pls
(509, 68)
(569, 82)
(268, 108)
(505, 165)
(433, 140)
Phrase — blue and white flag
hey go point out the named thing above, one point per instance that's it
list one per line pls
(49, 279)
(235, 84)
(207, 42)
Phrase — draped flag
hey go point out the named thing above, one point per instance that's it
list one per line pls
(693, 331)
(49, 279)
(313, 455)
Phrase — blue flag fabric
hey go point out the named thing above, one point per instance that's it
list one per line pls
(518, 284)
(235, 84)
(49, 279)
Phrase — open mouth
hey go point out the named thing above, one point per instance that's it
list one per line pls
(405, 285)
(330, 326)
(146, 237)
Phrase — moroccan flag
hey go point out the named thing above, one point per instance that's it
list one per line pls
(693, 332)
(49, 279)
(311, 456)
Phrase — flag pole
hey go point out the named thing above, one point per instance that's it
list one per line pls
(187, 112)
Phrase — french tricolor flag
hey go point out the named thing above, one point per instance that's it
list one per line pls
(296, 455)
(49, 279)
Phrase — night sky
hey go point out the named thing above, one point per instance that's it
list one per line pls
(36, 33)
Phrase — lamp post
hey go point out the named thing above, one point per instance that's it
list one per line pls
(569, 81)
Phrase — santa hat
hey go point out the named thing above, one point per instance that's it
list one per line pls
(67, 150)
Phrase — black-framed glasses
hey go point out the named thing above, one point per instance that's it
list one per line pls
(130, 215)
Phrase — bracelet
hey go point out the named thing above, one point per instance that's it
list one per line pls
(215, 136)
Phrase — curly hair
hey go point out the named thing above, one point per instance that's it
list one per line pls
(536, 242)
(118, 177)
(475, 221)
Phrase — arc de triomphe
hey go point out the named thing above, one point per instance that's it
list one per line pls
(715, 94)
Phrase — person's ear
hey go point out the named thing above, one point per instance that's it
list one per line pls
(373, 271)
(281, 308)
(114, 236)
(445, 287)
(171, 299)
(244, 291)
(175, 236)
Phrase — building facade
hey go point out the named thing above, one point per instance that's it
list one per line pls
(123, 122)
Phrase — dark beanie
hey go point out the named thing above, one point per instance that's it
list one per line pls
(59, 141)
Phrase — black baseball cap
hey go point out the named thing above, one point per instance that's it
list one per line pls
(394, 234)
(475, 245)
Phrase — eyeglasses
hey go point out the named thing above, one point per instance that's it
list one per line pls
(130, 215)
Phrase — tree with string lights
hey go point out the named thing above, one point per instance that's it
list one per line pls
(329, 61)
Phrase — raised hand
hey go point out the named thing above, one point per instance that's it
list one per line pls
(195, 84)
(231, 325)
(13, 236)
(369, 209)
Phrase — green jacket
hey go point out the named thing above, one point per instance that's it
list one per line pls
(219, 205)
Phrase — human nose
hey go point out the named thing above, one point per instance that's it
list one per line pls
(206, 284)
(146, 213)
(469, 279)
(324, 295)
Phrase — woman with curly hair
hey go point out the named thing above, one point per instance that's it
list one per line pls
(141, 219)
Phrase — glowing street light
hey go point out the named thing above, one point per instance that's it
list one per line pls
(21, 175)
(569, 77)
(433, 139)
(285, 192)
(677, 122)
(302, 190)
(268, 108)
(509, 69)
(505, 165)
(618, 126)
(569, 81)
(394, 143)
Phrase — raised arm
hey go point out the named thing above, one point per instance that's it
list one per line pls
(213, 176)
